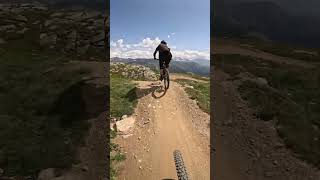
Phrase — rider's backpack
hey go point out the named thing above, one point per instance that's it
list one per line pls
(168, 56)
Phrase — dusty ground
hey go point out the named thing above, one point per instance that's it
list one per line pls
(166, 121)
(93, 158)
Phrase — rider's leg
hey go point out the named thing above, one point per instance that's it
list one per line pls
(166, 62)
(161, 74)
(161, 69)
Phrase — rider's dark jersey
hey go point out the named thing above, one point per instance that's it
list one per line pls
(162, 48)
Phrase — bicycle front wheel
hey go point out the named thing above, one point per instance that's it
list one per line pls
(181, 169)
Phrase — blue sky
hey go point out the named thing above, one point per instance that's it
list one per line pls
(184, 24)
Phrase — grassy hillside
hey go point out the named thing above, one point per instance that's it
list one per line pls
(34, 134)
(44, 113)
(292, 99)
(199, 91)
(122, 96)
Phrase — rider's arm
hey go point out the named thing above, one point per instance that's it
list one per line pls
(155, 52)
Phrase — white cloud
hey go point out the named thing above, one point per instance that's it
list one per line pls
(191, 54)
(171, 35)
(146, 47)
(120, 41)
(113, 44)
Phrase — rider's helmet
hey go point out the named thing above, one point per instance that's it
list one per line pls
(163, 42)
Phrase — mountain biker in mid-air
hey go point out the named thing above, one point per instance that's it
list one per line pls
(164, 56)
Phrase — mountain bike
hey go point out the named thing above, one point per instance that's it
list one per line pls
(165, 76)
(180, 167)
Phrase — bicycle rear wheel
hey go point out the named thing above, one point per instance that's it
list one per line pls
(181, 169)
(166, 79)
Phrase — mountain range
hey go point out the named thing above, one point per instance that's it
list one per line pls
(298, 7)
(269, 19)
(199, 67)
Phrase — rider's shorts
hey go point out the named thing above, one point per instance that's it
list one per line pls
(163, 63)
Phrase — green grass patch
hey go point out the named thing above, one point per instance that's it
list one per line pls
(123, 100)
(123, 97)
(198, 91)
(116, 156)
(296, 122)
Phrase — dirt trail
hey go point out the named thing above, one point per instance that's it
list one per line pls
(180, 76)
(163, 125)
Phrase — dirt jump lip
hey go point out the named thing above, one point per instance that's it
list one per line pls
(157, 91)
